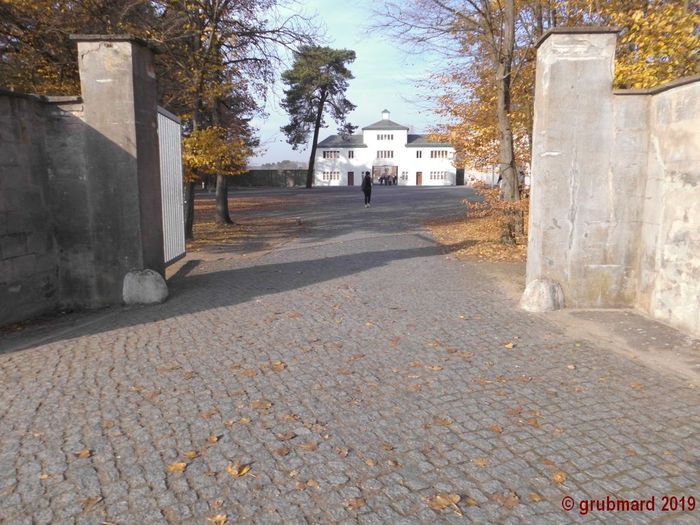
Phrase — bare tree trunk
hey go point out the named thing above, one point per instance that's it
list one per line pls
(189, 209)
(222, 214)
(506, 154)
(317, 127)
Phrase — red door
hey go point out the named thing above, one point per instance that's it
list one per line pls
(351, 178)
(419, 178)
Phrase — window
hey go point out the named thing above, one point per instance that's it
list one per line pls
(438, 154)
(351, 154)
(331, 154)
(331, 175)
(419, 154)
(387, 154)
(385, 136)
(404, 175)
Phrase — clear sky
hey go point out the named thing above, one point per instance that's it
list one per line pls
(385, 78)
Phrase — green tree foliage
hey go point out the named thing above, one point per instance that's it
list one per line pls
(317, 80)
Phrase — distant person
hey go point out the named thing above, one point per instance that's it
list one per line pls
(367, 188)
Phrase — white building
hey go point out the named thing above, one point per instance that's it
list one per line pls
(385, 149)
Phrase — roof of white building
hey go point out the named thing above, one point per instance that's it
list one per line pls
(424, 141)
(385, 123)
(340, 141)
(356, 141)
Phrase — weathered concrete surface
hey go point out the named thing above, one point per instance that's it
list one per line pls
(80, 201)
(542, 295)
(28, 259)
(391, 350)
(615, 213)
(669, 285)
(117, 78)
(144, 287)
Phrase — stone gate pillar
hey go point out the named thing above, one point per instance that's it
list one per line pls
(574, 207)
(118, 85)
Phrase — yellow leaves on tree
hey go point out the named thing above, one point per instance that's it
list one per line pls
(212, 151)
(659, 42)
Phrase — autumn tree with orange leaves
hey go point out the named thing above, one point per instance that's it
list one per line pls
(217, 61)
(659, 41)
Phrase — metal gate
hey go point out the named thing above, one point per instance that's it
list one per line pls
(170, 142)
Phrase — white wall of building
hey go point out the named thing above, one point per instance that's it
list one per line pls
(442, 170)
(435, 171)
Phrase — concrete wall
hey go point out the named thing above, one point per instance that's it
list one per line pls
(669, 266)
(28, 260)
(614, 215)
(80, 185)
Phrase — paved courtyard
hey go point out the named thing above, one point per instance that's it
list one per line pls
(349, 375)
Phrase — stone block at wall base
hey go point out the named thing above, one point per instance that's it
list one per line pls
(144, 287)
(542, 295)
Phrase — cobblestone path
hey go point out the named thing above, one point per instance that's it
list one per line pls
(358, 370)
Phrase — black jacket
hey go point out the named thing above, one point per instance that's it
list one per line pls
(367, 184)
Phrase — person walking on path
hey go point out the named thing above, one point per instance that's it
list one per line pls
(367, 189)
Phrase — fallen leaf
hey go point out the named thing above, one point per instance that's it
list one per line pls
(342, 452)
(395, 342)
(293, 473)
(435, 343)
(180, 466)
(84, 454)
(278, 366)
(515, 411)
(209, 413)
(219, 519)
(471, 502)
(43, 477)
(212, 439)
(388, 446)
(637, 386)
(90, 502)
(509, 345)
(444, 500)
(533, 422)
(435, 368)
(107, 423)
(237, 470)
(371, 462)
(355, 503)
(261, 404)
(286, 436)
(496, 428)
(548, 462)
(356, 357)
(191, 454)
(559, 477)
(571, 367)
(508, 499)
(481, 462)
(309, 446)
(188, 375)
(534, 497)
(282, 451)
(442, 421)
(217, 504)
(244, 420)
(249, 372)
(313, 483)
(415, 364)
(229, 423)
